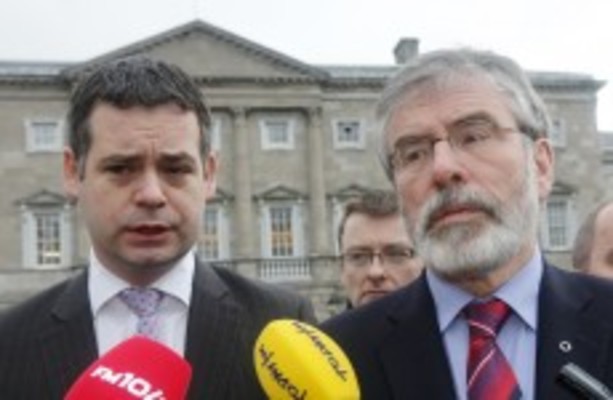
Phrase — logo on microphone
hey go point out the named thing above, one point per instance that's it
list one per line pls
(136, 386)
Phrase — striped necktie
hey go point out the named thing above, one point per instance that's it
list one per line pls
(489, 375)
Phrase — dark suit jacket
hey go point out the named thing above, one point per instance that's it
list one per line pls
(49, 340)
(398, 353)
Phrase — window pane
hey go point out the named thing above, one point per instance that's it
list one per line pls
(282, 241)
(348, 132)
(44, 136)
(48, 239)
(557, 218)
(278, 131)
(210, 237)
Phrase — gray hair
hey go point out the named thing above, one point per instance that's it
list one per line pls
(442, 67)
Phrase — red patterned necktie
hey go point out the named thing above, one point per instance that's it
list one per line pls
(489, 375)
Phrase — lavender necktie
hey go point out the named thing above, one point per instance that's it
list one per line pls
(144, 302)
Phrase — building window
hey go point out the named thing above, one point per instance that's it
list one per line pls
(558, 133)
(43, 135)
(282, 231)
(348, 134)
(214, 243)
(338, 210)
(46, 238)
(277, 133)
(558, 226)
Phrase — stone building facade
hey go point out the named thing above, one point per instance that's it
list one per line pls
(295, 141)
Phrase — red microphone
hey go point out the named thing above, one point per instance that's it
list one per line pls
(138, 368)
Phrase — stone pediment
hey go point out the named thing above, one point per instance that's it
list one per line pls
(562, 188)
(349, 191)
(279, 192)
(43, 198)
(210, 53)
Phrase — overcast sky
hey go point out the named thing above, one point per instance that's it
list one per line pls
(553, 35)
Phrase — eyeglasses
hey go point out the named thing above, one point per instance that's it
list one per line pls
(393, 257)
(473, 137)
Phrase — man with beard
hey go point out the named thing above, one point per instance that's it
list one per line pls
(464, 142)
(140, 166)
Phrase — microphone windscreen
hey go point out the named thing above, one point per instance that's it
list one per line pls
(294, 360)
(138, 368)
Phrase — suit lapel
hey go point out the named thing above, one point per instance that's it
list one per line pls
(413, 355)
(67, 340)
(565, 333)
(213, 335)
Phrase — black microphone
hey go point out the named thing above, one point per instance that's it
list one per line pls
(584, 384)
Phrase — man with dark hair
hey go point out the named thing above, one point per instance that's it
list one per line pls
(593, 250)
(464, 141)
(138, 164)
(377, 255)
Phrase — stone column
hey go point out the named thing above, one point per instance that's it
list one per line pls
(319, 242)
(243, 220)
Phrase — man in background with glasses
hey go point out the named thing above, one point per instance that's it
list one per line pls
(377, 255)
(464, 142)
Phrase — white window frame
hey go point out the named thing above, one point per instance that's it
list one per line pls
(338, 209)
(223, 239)
(29, 241)
(298, 244)
(568, 225)
(558, 132)
(265, 133)
(32, 145)
(360, 143)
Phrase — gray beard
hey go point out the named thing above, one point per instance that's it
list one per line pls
(480, 247)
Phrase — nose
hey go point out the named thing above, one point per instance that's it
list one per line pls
(376, 270)
(446, 167)
(150, 193)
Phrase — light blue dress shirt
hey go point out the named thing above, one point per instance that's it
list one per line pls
(516, 339)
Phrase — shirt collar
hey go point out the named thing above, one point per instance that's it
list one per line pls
(520, 293)
(103, 285)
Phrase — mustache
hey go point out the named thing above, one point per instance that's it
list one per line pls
(451, 199)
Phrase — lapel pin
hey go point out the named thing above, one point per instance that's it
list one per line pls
(565, 346)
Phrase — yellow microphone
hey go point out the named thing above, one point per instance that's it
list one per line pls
(296, 361)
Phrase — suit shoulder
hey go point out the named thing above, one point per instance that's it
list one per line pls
(369, 319)
(32, 310)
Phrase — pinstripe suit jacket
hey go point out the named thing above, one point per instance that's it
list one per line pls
(46, 342)
(395, 346)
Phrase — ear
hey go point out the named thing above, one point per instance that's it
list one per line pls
(544, 161)
(71, 176)
(209, 174)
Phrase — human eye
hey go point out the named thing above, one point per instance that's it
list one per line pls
(358, 258)
(411, 154)
(177, 166)
(398, 256)
(118, 169)
(178, 169)
(474, 132)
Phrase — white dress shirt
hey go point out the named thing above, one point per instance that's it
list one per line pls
(114, 322)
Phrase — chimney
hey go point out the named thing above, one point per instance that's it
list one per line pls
(406, 50)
